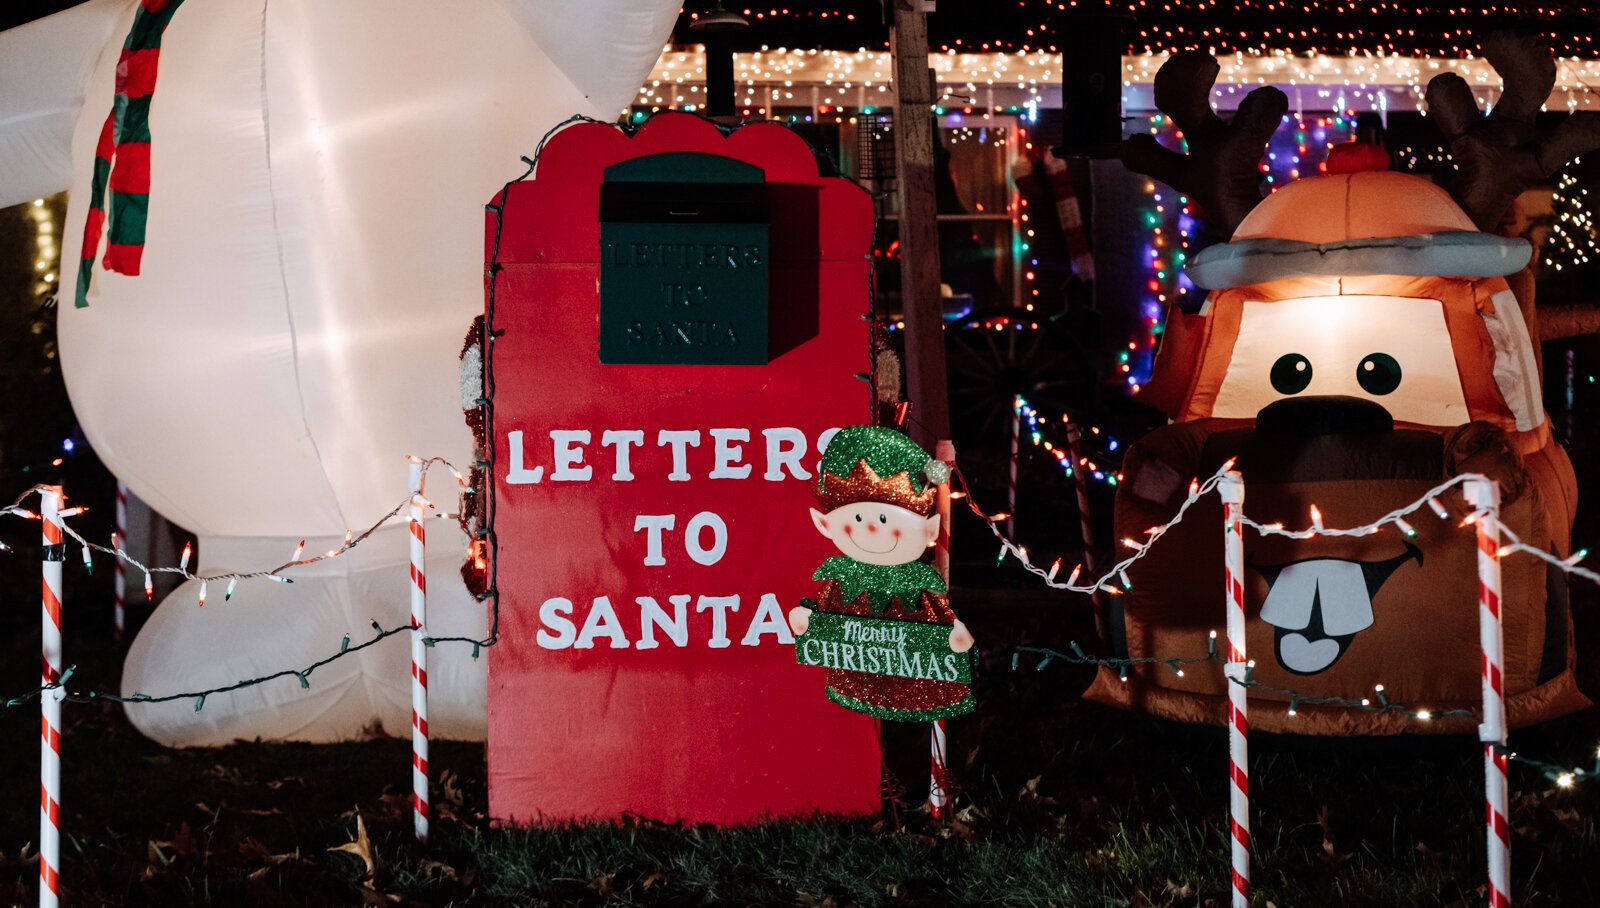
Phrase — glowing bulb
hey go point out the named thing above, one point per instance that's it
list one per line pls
(183, 561)
(1424, 714)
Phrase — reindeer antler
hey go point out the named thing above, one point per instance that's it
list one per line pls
(1220, 172)
(1500, 155)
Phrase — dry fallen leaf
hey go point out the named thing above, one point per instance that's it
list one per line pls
(439, 869)
(361, 847)
(450, 788)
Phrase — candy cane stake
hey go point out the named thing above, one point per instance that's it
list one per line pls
(1080, 480)
(50, 704)
(1484, 494)
(419, 659)
(1011, 479)
(1231, 488)
(938, 793)
(119, 576)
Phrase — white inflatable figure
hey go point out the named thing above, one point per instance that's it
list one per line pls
(314, 257)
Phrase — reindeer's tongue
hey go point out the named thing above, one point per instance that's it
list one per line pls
(1336, 588)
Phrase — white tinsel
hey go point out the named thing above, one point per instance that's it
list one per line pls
(472, 377)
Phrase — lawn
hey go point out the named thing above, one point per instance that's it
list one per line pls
(1062, 803)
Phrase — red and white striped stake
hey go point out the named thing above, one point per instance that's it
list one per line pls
(50, 704)
(119, 576)
(1231, 488)
(938, 792)
(1080, 480)
(419, 659)
(1484, 494)
(1011, 481)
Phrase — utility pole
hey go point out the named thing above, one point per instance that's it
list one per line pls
(919, 228)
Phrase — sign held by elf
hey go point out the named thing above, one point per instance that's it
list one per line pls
(881, 623)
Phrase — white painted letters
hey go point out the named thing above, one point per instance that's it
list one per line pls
(720, 606)
(654, 524)
(622, 438)
(567, 457)
(679, 439)
(727, 464)
(520, 475)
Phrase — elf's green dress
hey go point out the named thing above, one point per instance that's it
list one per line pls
(901, 592)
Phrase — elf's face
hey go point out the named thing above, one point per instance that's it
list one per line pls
(876, 533)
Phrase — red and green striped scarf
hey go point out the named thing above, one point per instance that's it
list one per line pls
(122, 158)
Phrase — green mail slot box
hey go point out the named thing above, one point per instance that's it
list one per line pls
(683, 261)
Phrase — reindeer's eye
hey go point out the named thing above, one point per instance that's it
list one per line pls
(1378, 374)
(1291, 373)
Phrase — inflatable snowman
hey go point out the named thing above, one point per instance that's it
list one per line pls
(312, 255)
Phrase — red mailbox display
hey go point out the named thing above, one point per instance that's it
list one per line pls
(652, 520)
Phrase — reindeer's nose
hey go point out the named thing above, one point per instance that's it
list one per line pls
(1324, 415)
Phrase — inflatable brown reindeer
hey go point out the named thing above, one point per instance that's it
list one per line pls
(1366, 336)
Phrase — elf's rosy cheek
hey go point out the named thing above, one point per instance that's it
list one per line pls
(896, 535)
(849, 530)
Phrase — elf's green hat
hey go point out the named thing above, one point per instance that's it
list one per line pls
(896, 469)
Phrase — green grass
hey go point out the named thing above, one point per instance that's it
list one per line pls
(1064, 804)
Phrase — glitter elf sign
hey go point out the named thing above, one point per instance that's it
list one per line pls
(903, 649)
(650, 498)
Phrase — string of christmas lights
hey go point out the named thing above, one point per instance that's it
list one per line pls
(832, 83)
(47, 216)
(1295, 698)
(351, 540)
(301, 674)
(1562, 776)
(1118, 571)
(1381, 27)
(1299, 148)
(1036, 433)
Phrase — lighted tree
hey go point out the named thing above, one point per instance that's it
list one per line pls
(1573, 231)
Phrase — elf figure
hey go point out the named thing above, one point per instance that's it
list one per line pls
(876, 488)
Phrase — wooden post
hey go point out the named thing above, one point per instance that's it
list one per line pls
(919, 227)
(720, 97)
